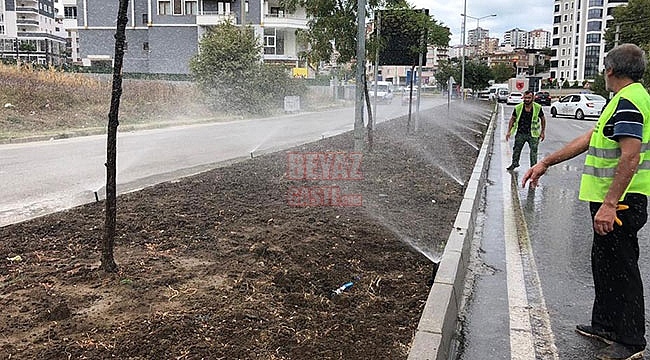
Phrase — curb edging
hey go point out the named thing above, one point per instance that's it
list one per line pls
(437, 326)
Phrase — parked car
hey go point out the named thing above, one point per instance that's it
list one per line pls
(406, 96)
(384, 91)
(579, 105)
(502, 95)
(484, 94)
(543, 98)
(514, 98)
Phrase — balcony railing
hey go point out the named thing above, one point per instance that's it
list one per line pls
(27, 9)
(214, 17)
(286, 20)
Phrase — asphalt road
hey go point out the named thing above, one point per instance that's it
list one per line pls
(533, 281)
(43, 177)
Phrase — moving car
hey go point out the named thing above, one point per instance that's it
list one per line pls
(543, 98)
(406, 96)
(514, 98)
(579, 105)
(502, 95)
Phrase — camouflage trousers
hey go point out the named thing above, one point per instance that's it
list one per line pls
(520, 140)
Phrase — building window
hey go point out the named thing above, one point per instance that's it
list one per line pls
(595, 14)
(592, 54)
(595, 3)
(145, 19)
(566, 17)
(145, 46)
(2, 29)
(164, 7)
(70, 12)
(269, 41)
(564, 29)
(563, 52)
(191, 8)
(178, 7)
(593, 26)
(593, 38)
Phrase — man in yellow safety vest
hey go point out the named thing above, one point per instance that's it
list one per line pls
(616, 183)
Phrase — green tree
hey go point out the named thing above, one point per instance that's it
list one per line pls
(598, 87)
(502, 72)
(477, 75)
(228, 68)
(447, 69)
(632, 21)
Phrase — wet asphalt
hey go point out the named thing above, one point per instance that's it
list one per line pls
(544, 235)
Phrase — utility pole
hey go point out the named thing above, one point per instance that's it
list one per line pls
(462, 71)
(361, 63)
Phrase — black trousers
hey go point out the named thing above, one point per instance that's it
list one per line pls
(618, 304)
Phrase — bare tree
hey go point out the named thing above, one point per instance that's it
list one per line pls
(108, 262)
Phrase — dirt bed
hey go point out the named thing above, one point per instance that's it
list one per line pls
(220, 266)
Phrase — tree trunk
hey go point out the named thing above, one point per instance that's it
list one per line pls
(410, 87)
(369, 107)
(108, 262)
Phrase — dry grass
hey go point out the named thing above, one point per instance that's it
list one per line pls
(48, 102)
(59, 104)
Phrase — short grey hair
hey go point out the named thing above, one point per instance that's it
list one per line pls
(626, 60)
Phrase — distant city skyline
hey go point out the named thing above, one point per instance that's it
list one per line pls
(523, 14)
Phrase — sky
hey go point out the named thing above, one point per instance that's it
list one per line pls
(524, 14)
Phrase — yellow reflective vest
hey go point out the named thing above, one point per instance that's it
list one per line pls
(604, 154)
(535, 122)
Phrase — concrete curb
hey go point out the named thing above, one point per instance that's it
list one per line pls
(439, 319)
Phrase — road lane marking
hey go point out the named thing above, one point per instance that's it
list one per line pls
(521, 337)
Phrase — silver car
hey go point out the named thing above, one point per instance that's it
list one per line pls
(579, 105)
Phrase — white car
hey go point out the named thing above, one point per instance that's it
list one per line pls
(579, 105)
(502, 95)
(515, 98)
(406, 95)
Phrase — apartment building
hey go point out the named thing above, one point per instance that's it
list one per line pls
(516, 37)
(539, 39)
(32, 31)
(163, 35)
(578, 42)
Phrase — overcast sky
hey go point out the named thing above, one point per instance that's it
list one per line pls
(524, 14)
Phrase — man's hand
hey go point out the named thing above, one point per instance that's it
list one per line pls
(533, 174)
(604, 219)
(507, 136)
(542, 136)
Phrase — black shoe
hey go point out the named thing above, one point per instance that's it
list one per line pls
(512, 167)
(617, 351)
(589, 331)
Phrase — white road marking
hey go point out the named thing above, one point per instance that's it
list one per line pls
(521, 336)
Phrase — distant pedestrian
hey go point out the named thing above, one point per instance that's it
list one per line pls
(616, 183)
(528, 124)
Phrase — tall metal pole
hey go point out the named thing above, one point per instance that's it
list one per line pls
(376, 74)
(462, 71)
(361, 64)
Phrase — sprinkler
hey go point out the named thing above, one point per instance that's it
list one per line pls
(96, 197)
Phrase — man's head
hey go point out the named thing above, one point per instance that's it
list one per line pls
(626, 61)
(528, 97)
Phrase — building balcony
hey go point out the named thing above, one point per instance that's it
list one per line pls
(280, 58)
(27, 10)
(27, 22)
(207, 18)
(292, 21)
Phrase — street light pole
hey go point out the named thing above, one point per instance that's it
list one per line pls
(478, 19)
(462, 71)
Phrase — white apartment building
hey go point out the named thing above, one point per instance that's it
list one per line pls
(516, 37)
(32, 31)
(578, 40)
(476, 36)
(539, 39)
